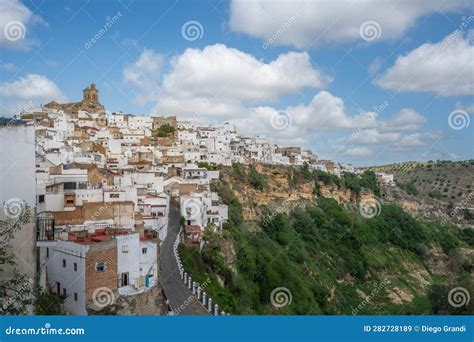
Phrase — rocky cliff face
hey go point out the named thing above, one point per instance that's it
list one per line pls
(280, 195)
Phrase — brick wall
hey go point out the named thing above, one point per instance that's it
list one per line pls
(101, 252)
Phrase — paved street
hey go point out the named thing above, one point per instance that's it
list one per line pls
(173, 287)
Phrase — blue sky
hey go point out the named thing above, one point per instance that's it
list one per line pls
(304, 73)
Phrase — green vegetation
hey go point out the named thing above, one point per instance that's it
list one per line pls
(16, 290)
(409, 187)
(434, 194)
(252, 177)
(256, 180)
(165, 130)
(325, 255)
(48, 303)
(207, 166)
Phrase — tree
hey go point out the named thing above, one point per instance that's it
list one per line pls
(16, 292)
(165, 130)
(48, 303)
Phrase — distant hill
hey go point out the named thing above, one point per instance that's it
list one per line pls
(446, 181)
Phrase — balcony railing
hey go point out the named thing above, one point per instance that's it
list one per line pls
(45, 229)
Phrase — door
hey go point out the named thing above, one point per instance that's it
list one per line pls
(125, 279)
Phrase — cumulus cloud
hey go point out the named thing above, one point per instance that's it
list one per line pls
(16, 21)
(357, 152)
(28, 91)
(390, 130)
(373, 136)
(144, 74)
(443, 68)
(405, 120)
(228, 77)
(308, 22)
(324, 113)
(327, 112)
(222, 83)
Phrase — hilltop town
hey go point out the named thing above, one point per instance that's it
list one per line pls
(106, 192)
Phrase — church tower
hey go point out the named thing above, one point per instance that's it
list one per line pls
(91, 94)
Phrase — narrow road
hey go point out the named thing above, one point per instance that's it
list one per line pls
(173, 287)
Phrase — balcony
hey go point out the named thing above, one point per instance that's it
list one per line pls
(45, 232)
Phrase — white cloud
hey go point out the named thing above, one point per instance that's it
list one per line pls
(374, 67)
(319, 22)
(405, 120)
(327, 112)
(144, 74)
(466, 107)
(357, 152)
(416, 140)
(16, 21)
(373, 136)
(444, 68)
(390, 131)
(227, 78)
(27, 91)
(8, 66)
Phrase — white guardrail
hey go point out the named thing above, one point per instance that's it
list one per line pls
(195, 288)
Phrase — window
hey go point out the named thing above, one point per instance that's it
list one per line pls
(41, 199)
(64, 292)
(70, 186)
(125, 249)
(47, 252)
(75, 266)
(64, 262)
(100, 266)
(114, 196)
(75, 296)
(144, 250)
